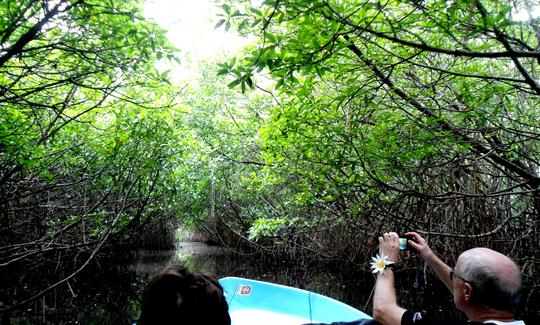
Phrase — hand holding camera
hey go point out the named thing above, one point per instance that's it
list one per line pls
(414, 242)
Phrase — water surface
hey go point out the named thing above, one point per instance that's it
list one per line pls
(109, 291)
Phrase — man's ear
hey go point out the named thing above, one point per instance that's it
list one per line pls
(468, 291)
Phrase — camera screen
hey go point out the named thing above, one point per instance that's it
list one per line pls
(403, 244)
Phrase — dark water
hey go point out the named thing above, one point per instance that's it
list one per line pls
(109, 292)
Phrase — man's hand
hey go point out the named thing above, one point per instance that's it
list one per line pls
(389, 246)
(419, 244)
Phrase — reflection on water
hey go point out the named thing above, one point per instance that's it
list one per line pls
(352, 285)
(333, 280)
(108, 292)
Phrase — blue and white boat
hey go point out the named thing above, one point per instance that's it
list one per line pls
(256, 302)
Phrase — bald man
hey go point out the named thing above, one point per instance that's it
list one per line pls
(485, 285)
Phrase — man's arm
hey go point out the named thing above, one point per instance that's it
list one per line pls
(385, 307)
(442, 270)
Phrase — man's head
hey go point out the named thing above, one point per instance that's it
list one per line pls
(176, 296)
(486, 279)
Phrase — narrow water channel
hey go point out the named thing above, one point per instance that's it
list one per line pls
(351, 286)
(109, 292)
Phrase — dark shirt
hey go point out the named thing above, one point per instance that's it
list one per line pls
(415, 318)
(356, 322)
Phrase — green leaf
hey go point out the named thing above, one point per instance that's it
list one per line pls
(235, 83)
(219, 23)
(222, 72)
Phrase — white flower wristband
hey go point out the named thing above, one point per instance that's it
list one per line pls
(380, 263)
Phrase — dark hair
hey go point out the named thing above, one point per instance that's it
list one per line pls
(176, 296)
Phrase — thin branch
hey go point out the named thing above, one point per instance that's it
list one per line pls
(533, 180)
(484, 234)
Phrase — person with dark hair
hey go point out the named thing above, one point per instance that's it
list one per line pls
(485, 284)
(177, 296)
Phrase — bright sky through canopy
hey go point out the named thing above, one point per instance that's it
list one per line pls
(526, 14)
(190, 27)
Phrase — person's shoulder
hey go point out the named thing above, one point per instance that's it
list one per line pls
(417, 318)
(494, 322)
(355, 322)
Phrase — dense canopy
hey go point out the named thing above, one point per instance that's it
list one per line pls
(342, 120)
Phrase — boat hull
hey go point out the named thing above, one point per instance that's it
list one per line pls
(256, 302)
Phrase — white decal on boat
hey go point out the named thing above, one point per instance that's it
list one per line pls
(244, 290)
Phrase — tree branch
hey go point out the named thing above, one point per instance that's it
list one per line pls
(516, 167)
